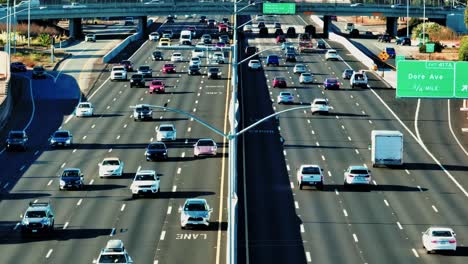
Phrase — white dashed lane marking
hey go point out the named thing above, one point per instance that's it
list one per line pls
(49, 253)
(163, 235)
(169, 210)
(355, 238)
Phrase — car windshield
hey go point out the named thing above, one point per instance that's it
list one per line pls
(254, 61)
(441, 233)
(144, 177)
(169, 65)
(70, 174)
(306, 74)
(300, 66)
(214, 70)
(61, 134)
(112, 258)
(118, 69)
(359, 76)
(205, 143)
(320, 103)
(156, 146)
(143, 108)
(36, 214)
(280, 79)
(156, 83)
(285, 94)
(16, 135)
(359, 171)
(310, 170)
(195, 207)
(332, 81)
(349, 71)
(144, 68)
(332, 52)
(165, 128)
(84, 106)
(273, 57)
(195, 59)
(111, 163)
(176, 54)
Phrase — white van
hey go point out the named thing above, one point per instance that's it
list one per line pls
(185, 35)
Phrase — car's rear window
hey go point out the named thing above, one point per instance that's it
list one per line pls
(195, 207)
(110, 162)
(165, 128)
(156, 146)
(332, 80)
(85, 106)
(205, 143)
(144, 68)
(280, 79)
(441, 233)
(359, 172)
(321, 103)
(310, 170)
(16, 135)
(61, 134)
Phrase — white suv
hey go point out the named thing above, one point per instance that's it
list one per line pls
(118, 73)
(90, 37)
(357, 175)
(255, 65)
(331, 55)
(319, 105)
(114, 252)
(145, 182)
(195, 212)
(166, 132)
(310, 175)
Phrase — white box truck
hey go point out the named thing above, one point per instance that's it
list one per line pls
(387, 148)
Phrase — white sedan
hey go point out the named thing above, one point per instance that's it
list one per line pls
(299, 68)
(112, 166)
(319, 105)
(306, 77)
(439, 238)
(285, 98)
(195, 61)
(255, 65)
(154, 36)
(166, 132)
(177, 56)
(197, 52)
(84, 109)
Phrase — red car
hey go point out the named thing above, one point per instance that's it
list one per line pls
(279, 82)
(128, 65)
(157, 86)
(280, 38)
(222, 27)
(168, 67)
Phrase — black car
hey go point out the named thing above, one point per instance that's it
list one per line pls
(263, 32)
(16, 140)
(321, 44)
(128, 65)
(291, 57)
(18, 66)
(202, 19)
(61, 138)
(170, 19)
(279, 32)
(194, 70)
(404, 41)
(137, 80)
(384, 38)
(291, 32)
(157, 55)
(71, 178)
(251, 50)
(214, 73)
(155, 151)
(39, 72)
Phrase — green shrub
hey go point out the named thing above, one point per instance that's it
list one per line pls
(44, 39)
(463, 50)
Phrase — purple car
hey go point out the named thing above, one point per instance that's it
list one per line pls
(331, 83)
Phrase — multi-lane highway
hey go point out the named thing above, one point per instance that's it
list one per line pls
(86, 220)
(337, 225)
(278, 222)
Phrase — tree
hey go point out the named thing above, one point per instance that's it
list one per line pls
(463, 51)
(466, 17)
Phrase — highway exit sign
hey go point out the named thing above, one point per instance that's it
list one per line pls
(432, 79)
(279, 8)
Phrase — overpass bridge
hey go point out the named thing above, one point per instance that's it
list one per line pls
(143, 9)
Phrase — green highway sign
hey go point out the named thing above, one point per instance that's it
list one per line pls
(279, 8)
(432, 79)
(399, 58)
(461, 79)
(430, 47)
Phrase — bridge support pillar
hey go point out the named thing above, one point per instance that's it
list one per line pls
(75, 28)
(326, 25)
(392, 25)
(142, 26)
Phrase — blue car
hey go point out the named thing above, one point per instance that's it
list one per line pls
(390, 51)
(272, 60)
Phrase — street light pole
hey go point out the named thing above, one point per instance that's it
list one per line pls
(407, 18)
(424, 22)
(29, 23)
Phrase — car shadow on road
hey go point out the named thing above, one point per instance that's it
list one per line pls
(59, 234)
(462, 251)
(23, 196)
(182, 194)
(371, 188)
(432, 166)
(347, 114)
(103, 187)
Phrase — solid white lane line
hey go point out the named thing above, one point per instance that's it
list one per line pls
(163, 235)
(174, 188)
(122, 208)
(179, 170)
(49, 253)
(309, 259)
(399, 225)
(329, 173)
(65, 225)
(139, 168)
(355, 238)
(345, 213)
(112, 233)
(435, 209)
(50, 182)
(415, 253)
(169, 210)
(296, 204)
(386, 203)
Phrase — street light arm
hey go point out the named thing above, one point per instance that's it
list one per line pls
(217, 131)
(255, 54)
(270, 116)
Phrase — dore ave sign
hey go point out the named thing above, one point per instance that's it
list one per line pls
(432, 79)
